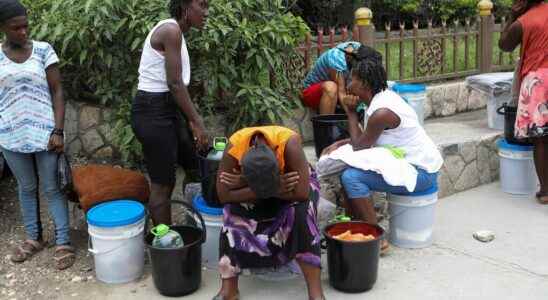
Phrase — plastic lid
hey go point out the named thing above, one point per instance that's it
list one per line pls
(504, 145)
(429, 191)
(199, 203)
(160, 230)
(409, 88)
(219, 143)
(116, 213)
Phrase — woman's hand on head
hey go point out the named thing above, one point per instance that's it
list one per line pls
(233, 180)
(56, 143)
(288, 182)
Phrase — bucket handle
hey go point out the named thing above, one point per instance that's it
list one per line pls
(95, 252)
(502, 110)
(195, 212)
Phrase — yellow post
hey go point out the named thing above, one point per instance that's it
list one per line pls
(485, 8)
(366, 30)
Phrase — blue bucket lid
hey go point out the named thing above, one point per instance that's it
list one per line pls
(409, 87)
(116, 213)
(199, 203)
(432, 190)
(504, 145)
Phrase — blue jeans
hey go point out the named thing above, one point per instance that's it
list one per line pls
(359, 184)
(23, 168)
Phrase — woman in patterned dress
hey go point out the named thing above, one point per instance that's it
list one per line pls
(528, 26)
(270, 195)
(32, 112)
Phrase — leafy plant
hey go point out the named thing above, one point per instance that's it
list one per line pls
(242, 55)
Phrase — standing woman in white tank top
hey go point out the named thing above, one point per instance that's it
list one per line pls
(164, 74)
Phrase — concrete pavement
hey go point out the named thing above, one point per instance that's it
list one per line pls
(513, 266)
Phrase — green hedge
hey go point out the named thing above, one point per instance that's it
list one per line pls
(239, 60)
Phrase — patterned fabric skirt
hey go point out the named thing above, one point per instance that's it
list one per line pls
(532, 115)
(270, 234)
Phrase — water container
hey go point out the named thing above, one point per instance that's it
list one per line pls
(353, 266)
(209, 164)
(517, 168)
(328, 129)
(412, 218)
(213, 218)
(414, 95)
(116, 240)
(166, 238)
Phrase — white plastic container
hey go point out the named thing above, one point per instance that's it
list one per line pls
(414, 95)
(412, 218)
(213, 219)
(498, 89)
(517, 169)
(116, 240)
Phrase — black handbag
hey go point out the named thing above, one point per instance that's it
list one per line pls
(64, 174)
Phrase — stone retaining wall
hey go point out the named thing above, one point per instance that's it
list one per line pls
(89, 130)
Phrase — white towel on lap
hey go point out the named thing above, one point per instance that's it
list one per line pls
(396, 172)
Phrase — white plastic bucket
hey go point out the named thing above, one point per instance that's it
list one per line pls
(213, 219)
(517, 169)
(210, 250)
(118, 251)
(412, 219)
(494, 119)
(415, 95)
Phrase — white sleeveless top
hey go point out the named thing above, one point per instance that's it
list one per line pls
(152, 69)
(409, 135)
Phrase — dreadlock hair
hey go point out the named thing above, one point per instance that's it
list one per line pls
(367, 66)
(176, 7)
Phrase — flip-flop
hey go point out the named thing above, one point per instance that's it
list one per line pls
(26, 250)
(385, 247)
(542, 198)
(64, 257)
(221, 297)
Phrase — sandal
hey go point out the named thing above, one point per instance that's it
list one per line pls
(542, 198)
(64, 257)
(385, 246)
(221, 297)
(26, 250)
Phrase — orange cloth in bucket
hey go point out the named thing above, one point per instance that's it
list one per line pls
(95, 184)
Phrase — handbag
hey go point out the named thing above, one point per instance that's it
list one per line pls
(64, 174)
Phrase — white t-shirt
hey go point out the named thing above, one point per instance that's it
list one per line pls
(26, 108)
(152, 68)
(409, 135)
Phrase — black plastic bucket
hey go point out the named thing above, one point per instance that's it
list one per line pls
(208, 175)
(178, 272)
(353, 266)
(329, 129)
(510, 113)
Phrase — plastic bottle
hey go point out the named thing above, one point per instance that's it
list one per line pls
(164, 237)
(219, 145)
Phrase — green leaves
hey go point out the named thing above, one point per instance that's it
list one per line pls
(242, 56)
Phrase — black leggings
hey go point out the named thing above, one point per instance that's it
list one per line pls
(165, 135)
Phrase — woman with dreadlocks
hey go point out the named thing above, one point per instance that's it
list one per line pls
(164, 74)
(390, 121)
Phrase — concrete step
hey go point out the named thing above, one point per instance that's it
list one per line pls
(468, 147)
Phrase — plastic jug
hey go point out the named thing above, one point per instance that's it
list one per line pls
(164, 237)
(219, 146)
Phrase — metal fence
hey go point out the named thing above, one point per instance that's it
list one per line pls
(447, 51)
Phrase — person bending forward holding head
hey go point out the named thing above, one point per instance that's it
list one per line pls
(270, 195)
